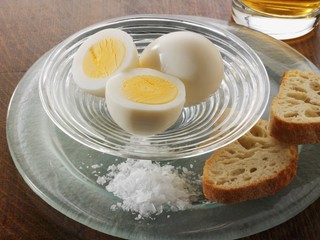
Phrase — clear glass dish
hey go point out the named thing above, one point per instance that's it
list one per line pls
(59, 169)
(227, 115)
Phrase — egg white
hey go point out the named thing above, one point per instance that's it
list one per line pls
(190, 57)
(96, 86)
(139, 118)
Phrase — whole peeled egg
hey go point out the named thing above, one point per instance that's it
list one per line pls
(101, 55)
(189, 56)
(144, 101)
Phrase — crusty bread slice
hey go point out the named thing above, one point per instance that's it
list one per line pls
(295, 111)
(254, 166)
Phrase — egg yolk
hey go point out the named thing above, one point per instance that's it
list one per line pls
(149, 89)
(104, 58)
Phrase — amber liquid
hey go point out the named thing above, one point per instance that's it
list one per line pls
(283, 8)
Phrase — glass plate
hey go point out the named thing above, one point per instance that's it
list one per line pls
(227, 115)
(59, 169)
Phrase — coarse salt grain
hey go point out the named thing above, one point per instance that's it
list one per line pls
(95, 166)
(146, 188)
(101, 180)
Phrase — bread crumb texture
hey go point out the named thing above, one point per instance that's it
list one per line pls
(254, 166)
(295, 111)
(298, 99)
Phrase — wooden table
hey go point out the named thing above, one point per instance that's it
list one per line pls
(28, 29)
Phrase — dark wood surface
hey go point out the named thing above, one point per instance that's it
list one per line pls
(28, 29)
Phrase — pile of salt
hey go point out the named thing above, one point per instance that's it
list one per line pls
(147, 188)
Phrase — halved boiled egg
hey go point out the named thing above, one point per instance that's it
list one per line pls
(103, 54)
(144, 101)
(192, 58)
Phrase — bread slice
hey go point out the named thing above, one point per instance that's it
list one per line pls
(254, 166)
(295, 111)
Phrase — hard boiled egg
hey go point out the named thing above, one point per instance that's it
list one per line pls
(190, 57)
(103, 54)
(144, 101)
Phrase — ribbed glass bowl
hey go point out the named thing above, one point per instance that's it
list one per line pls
(227, 115)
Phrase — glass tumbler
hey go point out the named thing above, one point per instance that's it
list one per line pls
(281, 19)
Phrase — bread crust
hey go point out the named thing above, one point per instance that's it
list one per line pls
(255, 150)
(253, 191)
(294, 133)
(290, 130)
